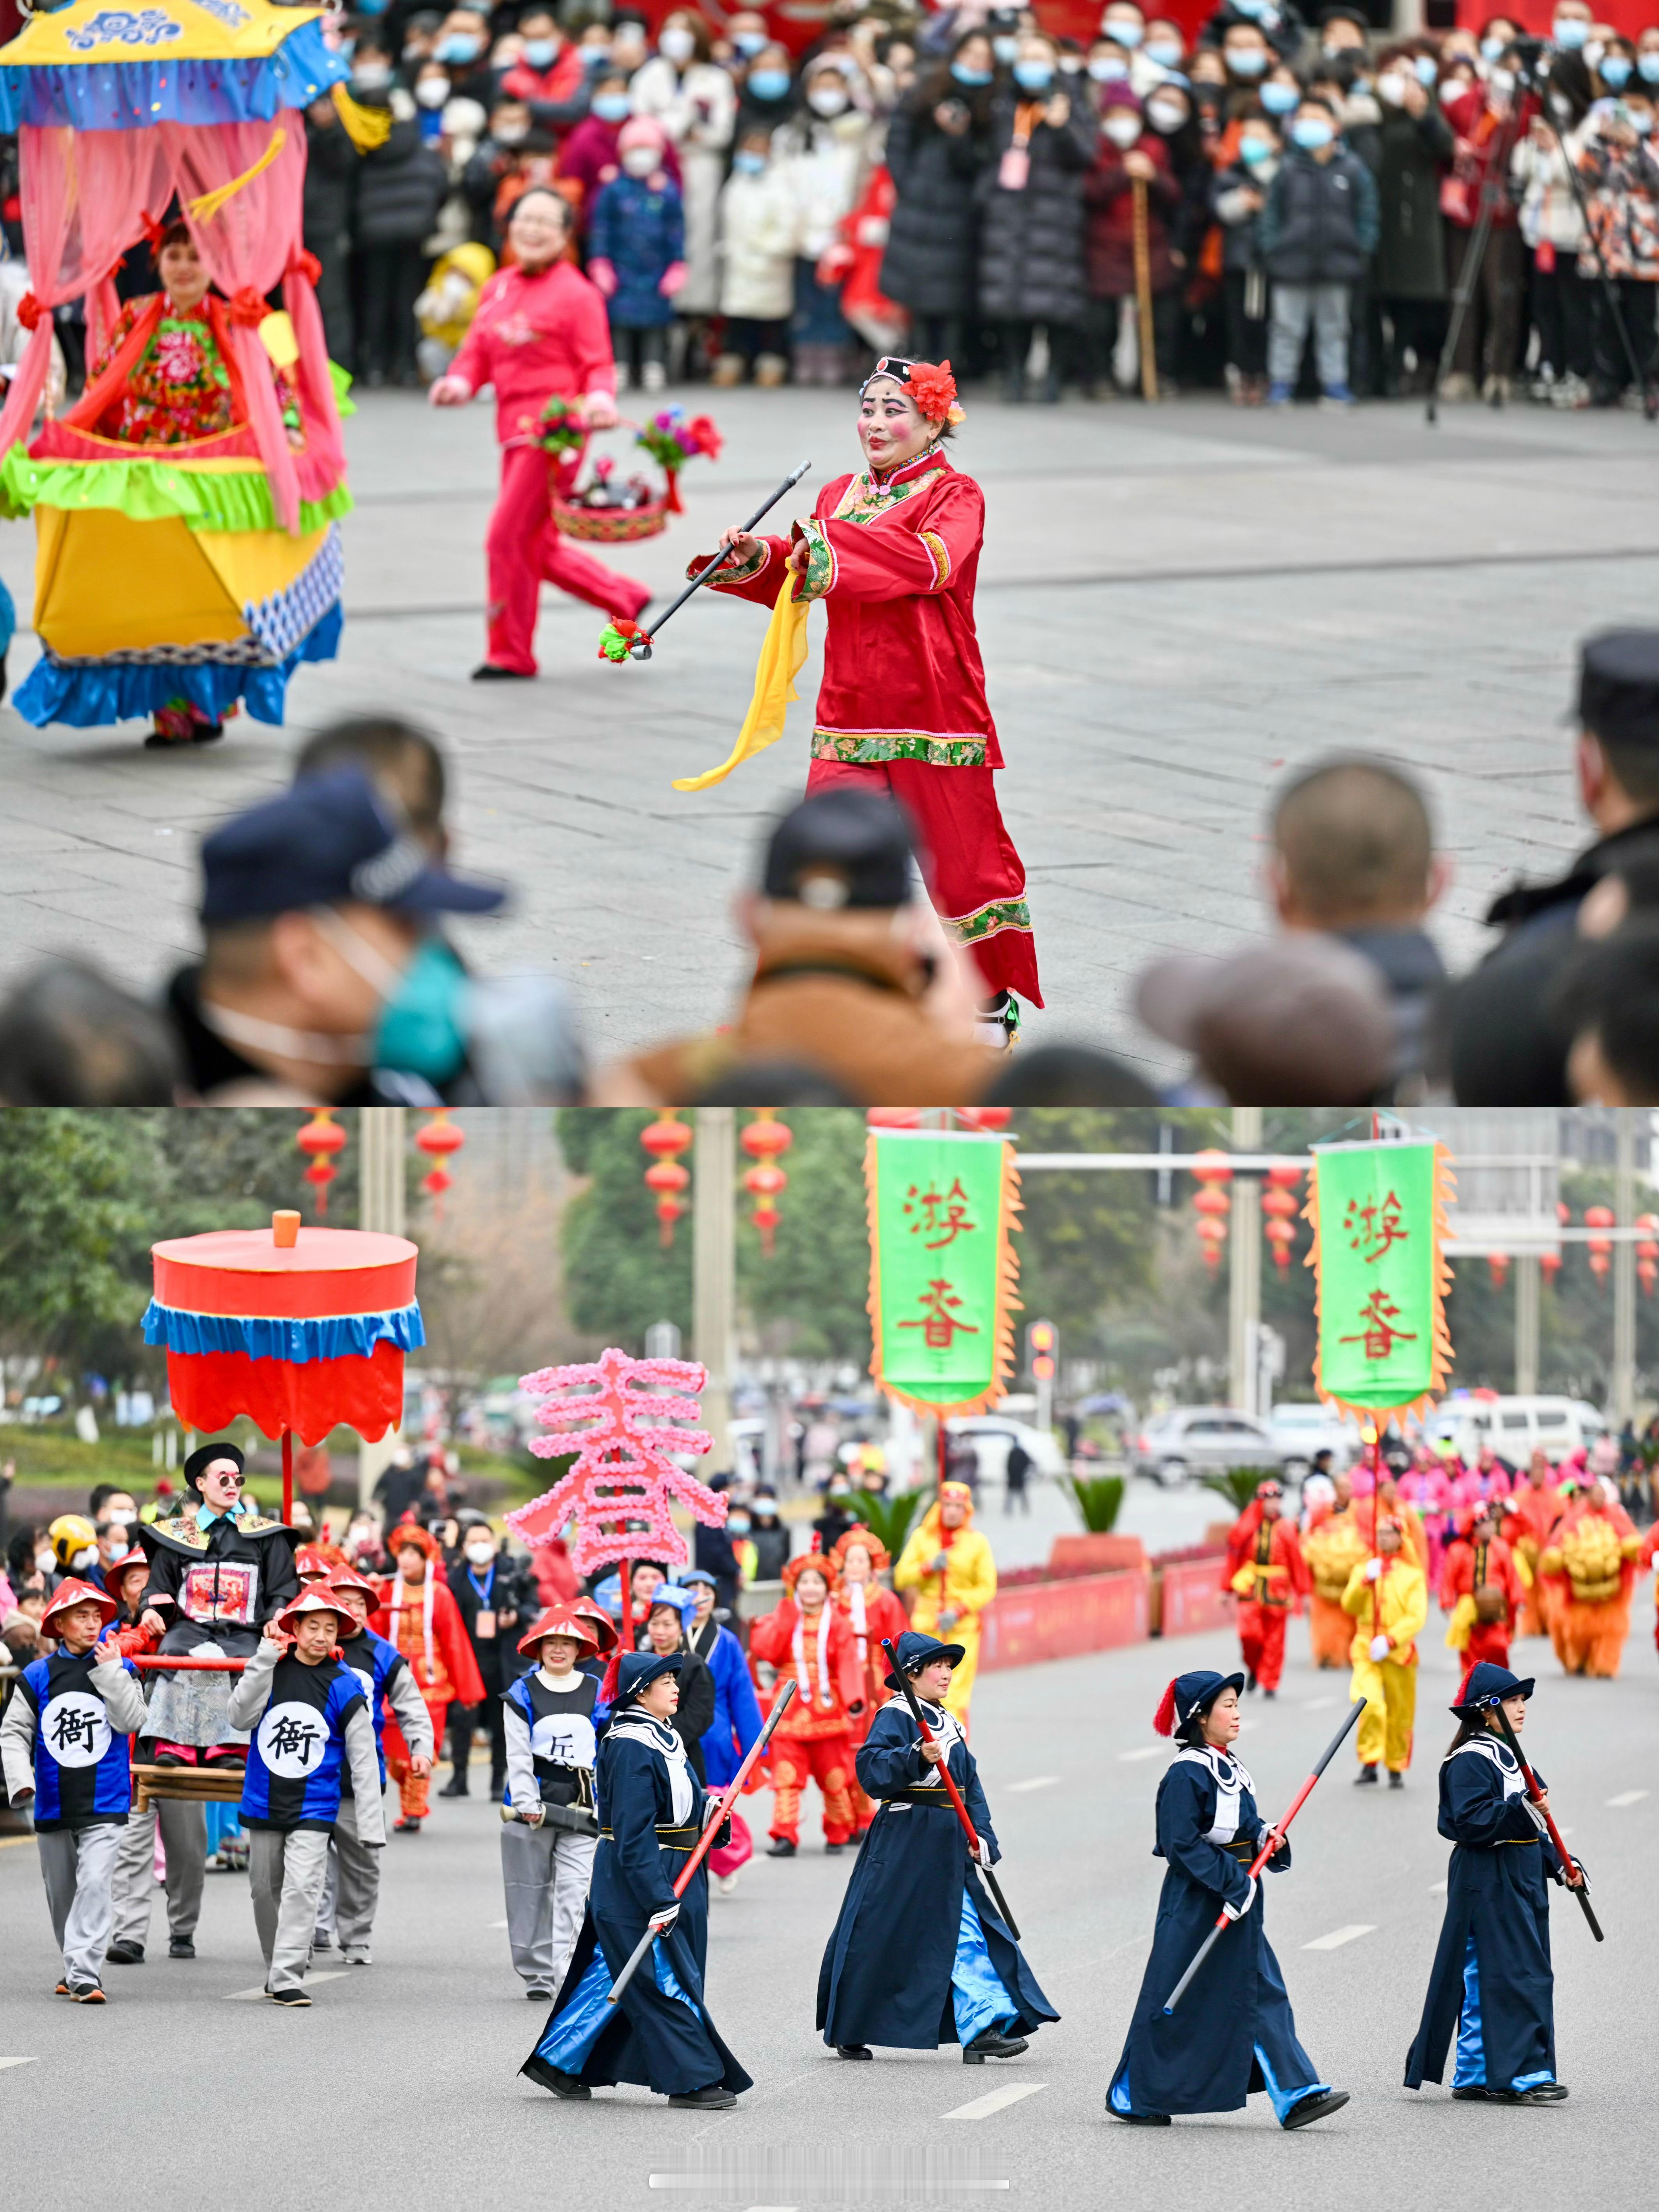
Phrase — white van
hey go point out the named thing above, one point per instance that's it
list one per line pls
(1515, 1427)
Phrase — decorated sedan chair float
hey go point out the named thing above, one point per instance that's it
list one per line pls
(186, 507)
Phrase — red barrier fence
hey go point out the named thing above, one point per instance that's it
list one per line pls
(1190, 1597)
(1057, 1620)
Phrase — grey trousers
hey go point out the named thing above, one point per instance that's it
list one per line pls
(78, 1868)
(184, 1838)
(285, 1870)
(545, 1874)
(351, 1886)
(1291, 307)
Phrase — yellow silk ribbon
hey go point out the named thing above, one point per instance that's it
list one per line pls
(209, 204)
(780, 658)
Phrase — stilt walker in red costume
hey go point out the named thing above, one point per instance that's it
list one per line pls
(1271, 1582)
(540, 333)
(418, 1615)
(872, 1613)
(808, 1637)
(1483, 1590)
(893, 552)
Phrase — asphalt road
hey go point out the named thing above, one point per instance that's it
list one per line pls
(401, 2084)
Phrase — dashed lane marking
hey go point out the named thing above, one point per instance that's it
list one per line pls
(996, 2100)
(1626, 1797)
(18, 2062)
(501, 1923)
(1339, 1936)
(1142, 1751)
(247, 1996)
(1318, 1705)
(1018, 1788)
(1437, 1889)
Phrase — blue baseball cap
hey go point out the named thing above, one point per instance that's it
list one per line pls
(327, 842)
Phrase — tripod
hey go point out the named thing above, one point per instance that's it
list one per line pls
(1529, 78)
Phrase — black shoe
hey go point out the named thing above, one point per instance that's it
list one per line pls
(498, 1791)
(457, 1788)
(1396, 1781)
(321, 1940)
(853, 2050)
(125, 1955)
(1546, 2092)
(562, 2084)
(181, 1947)
(1316, 2108)
(1269, 1695)
(539, 1996)
(834, 1850)
(716, 2098)
(1249, 1681)
(205, 732)
(1366, 1774)
(992, 2044)
(487, 672)
(1141, 2120)
(1473, 2096)
(288, 1996)
(166, 1758)
(780, 1848)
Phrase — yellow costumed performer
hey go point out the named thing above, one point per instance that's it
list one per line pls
(949, 1565)
(1388, 1596)
(1588, 1565)
(1333, 1547)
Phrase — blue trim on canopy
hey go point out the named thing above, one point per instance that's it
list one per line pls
(86, 694)
(132, 95)
(341, 1336)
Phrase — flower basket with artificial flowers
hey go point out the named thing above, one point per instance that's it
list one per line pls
(611, 509)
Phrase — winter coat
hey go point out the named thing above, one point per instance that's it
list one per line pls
(1319, 226)
(1283, 29)
(1030, 257)
(1412, 153)
(696, 111)
(1109, 193)
(758, 247)
(1240, 224)
(1622, 183)
(1549, 207)
(931, 264)
(556, 97)
(590, 155)
(638, 226)
(400, 187)
(825, 164)
(330, 174)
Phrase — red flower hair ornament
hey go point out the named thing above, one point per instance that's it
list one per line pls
(930, 384)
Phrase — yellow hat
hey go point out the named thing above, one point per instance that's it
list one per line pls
(73, 1536)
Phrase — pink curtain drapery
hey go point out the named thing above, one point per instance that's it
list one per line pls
(81, 192)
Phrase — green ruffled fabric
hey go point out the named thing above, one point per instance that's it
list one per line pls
(150, 491)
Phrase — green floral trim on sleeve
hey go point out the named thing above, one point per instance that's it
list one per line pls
(820, 564)
(1000, 915)
(741, 574)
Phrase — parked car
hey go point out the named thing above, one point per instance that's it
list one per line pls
(1202, 1440)
(1515, 1427)
(1300, 1430)
(991, 1434)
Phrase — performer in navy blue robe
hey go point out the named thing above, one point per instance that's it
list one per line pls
(919, 1955)
(1234, 2034)
(1492, 1985)
(651, 1810)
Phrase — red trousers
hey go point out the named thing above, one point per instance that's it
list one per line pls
(1488, 1640)
(825, 1759)
(974, 877)
(525, 551)
(413, 1790)
(1261, 1640)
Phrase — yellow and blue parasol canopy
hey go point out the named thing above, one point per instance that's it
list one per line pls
(97, 67)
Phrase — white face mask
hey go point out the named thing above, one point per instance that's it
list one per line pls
(677, 45)
(481, 1554)
(432, 91)
(1122, 130)
(640, 161)
(374, 76)
(827, 100)
(1167, 115)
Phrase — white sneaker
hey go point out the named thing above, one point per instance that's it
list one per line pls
(356, 1955)
(726, 1883)
(655, 376)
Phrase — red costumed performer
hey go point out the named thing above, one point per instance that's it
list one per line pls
(808, 1637)
(418, 1615)
(540, 333)
(1531, 1513)
(1272, 1579)
(872, 1613)
(893, 553)
(1483, 1590)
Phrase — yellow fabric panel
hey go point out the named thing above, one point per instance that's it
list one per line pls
(105, 584)
(44, 41)
(253, 564)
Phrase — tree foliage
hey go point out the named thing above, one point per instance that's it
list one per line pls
(1085, 1244)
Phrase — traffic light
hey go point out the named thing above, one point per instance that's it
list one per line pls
(1041, 1347)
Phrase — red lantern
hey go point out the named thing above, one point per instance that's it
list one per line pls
(663, 1139)
(1281, 1234)
(1549, 1265)
(1500, 1264)
(1647, 1251)
(1211, 1205)
(1601, 1248)
(765, 1138)
(321, 1136)
(1281, 1204)
(439, 1140)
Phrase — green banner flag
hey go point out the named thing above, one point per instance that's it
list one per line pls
(1378, 1216)
(942, 1268)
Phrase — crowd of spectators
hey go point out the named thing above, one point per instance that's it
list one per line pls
(1296, 201)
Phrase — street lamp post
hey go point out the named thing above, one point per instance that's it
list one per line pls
(1244, 1256)
(380, 1136)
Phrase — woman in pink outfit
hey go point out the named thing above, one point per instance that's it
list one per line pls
(540, 332)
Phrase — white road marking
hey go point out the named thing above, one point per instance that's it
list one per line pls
(246, 1997)
(1036, 1781)
(1339, 1936)
(501, 1923)
(1318, 1705)
(996, 2101)
(1437, 1889)
(19, 2062)
(1625, 1797)
(1144, 1751)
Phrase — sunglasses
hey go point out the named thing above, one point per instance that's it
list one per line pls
(217, 1474)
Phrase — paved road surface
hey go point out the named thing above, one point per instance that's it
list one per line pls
(401, 2082)
(1173, 606)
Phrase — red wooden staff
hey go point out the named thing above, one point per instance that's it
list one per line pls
(711, 1827)
(954, 1795)
(1271, 1843)
(1576, 1880)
